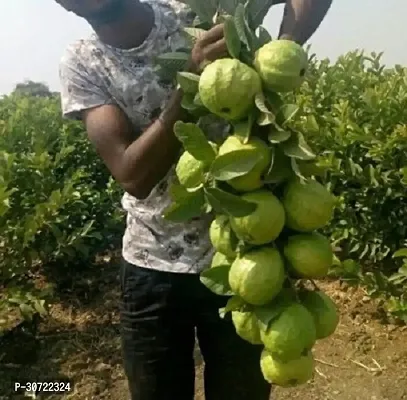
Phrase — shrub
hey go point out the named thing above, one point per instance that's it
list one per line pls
(57, 202)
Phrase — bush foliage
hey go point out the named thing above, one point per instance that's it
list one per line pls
(59, 204)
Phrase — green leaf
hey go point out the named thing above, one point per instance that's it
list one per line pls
(258, 10)
(174, 61)
(194, 141)
(229, 204)
(186, 208)
(235, 303)
(243, 129)
(297, 147)
(263, 35)
(278, 136)
(400, 253)
(266, 117)
(240, 24)
(217, 280)
(296, 169)
(280, 168)
(188, 82)
(286, 113)
(266, 314)
(233, 42)
(233, 164)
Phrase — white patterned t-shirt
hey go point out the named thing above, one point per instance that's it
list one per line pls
(93, 74)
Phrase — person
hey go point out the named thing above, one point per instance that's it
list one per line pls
(109, 82)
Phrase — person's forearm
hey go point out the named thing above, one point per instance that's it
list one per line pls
(152, 155)
(302, 18)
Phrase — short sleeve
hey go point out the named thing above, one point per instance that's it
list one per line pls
(81, 88)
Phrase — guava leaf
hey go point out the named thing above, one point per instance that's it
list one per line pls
(177, 191)
(235, 303)
(229, 204)
(206, 10)
(266, 314)
(280, 168)
(217, 280)
(243, 129)
(310, 168)
(234, 164)
(297, 147)
(187, 102)
(186, 208)
(273, 101)
(263, 35)
(286, 113)
(267, 116)
(194, 141)
(297, 170)
(174, 61)
(188, 82)
(198, 100)
(400, 253)
(241, 23)
(277, 136)
(233, 42)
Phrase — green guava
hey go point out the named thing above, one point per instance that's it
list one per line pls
(310, 255)
(222, 237)
(253, 179)
(264, 224)
(308, 206)
(219, 259)
(291, 334)
(287, 374)
(227, 88)
(282, 65)
(324, 311)
(190, 171)
(246, 326)
(258, 276)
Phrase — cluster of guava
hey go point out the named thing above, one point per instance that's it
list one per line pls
(273, 252)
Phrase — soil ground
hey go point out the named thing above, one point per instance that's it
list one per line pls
(366, 359)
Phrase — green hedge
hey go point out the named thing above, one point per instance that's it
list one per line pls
(57, 202)
(59, 205)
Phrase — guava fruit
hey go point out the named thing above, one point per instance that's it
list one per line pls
(246, 325)
(227, 88)
(219, 259)
(253, 179)
(190, 171)
(287, 374)
(257, 276)
(282, 65)
(291, 334)
(324, 311)
(222, 237)
(310, 255)
(264, 224)
(308, 206)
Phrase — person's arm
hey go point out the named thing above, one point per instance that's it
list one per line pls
(138, 165)
(302, 18)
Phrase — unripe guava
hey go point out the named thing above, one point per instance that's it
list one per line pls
(310, 255)
(258, 276)
(287, 374)
(253, 179)
(264, 224)
(282, 65)
(227, 88)
(222, 237)
(308, 206)
(246, 325)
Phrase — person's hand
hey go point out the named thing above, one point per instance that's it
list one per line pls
(210, 47)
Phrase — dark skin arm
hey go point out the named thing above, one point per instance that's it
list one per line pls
(139, 164)
(302, 18)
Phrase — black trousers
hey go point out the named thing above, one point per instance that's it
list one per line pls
(161, 312)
